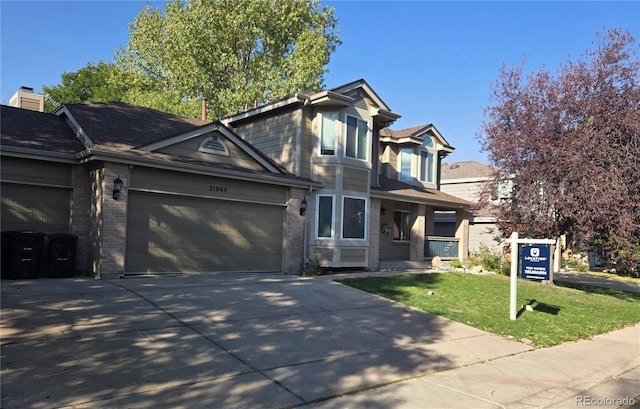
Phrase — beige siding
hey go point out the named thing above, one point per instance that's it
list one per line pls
(326, 175)
(481, 234)
(353, 255)
(205, 186)
(275, 137)
(467, 191)
(237, 156)
(355, 180)
(308, 144)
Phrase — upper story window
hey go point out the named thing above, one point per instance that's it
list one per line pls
(426, 166)
(215, 145)
(427, 160)
(328, 133)
(357, 140)
(406, 160)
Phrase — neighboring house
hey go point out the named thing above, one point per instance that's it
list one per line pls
(316, 174)
(467, 180)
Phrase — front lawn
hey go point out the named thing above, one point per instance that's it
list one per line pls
(556, 314)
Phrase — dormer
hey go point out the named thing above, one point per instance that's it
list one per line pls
(413, 155)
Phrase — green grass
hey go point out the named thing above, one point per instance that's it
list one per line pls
(560, 314)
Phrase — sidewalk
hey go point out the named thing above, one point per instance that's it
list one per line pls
(598, 281)
(603, 372)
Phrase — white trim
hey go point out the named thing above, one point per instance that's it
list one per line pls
(473, 179)
(336, 131)
(225, 199)
(333, 217)
(205, 129)
(346, 133)
(203, 148)
(63, 111)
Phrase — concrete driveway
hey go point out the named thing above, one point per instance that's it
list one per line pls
(226, 341)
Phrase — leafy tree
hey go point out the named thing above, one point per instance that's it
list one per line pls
(95, 82)
(570, 144)
(236, 54)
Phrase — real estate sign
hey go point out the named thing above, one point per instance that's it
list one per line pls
(536, 261)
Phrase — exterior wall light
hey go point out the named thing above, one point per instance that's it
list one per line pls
(303, 206)
(117, 187)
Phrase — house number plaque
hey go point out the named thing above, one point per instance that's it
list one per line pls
(217, 188)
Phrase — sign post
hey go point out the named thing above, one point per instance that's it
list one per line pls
(536, 264)
(513, 310)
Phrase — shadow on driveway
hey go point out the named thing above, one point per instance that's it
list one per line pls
(218, 340)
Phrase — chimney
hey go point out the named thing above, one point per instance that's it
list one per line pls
(26, 98)
(204, 109)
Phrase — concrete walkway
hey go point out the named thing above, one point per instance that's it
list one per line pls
(277, 341)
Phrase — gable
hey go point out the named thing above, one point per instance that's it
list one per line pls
(212, 147)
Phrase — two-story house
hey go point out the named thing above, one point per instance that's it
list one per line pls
(379, 187)
(263, 190)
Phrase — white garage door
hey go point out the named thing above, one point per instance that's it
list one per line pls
(181, 234)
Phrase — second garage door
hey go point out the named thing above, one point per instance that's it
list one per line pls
(182, 234)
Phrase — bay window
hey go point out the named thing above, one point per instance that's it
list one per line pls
(354, 218)
(406, 160)
(357, 143)
(328, 133)
(324, 221)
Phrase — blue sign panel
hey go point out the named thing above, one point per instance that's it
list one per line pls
(536, 261)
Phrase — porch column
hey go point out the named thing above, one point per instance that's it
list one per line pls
(416, 250)
(430, 221)
(374, 235)
(462, 233)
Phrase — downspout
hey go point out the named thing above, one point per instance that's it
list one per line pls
(305, 239)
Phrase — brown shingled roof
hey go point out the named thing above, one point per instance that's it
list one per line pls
(464, 170)
(117, 123)
(23, 128)
(433, 196)
(403, 133)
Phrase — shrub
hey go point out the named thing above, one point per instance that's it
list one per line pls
(489, 260)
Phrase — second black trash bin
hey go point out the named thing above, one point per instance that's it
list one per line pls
(62, 255)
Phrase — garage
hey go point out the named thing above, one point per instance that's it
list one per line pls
(181, 234)
(197, 223)
(38, 208)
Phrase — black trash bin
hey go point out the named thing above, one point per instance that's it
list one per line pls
(62, 255)
(22, 254)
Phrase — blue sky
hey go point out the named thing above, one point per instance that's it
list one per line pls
(431, 62)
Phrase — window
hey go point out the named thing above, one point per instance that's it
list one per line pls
(401, 225)
(426, 166)
(426, 159)
(357, 138)
(324, 225)
(405, 159)
(215, 145)
(328, 133)
(354, 218)
(504, 190)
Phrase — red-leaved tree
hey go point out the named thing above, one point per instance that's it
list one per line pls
(570, 145)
